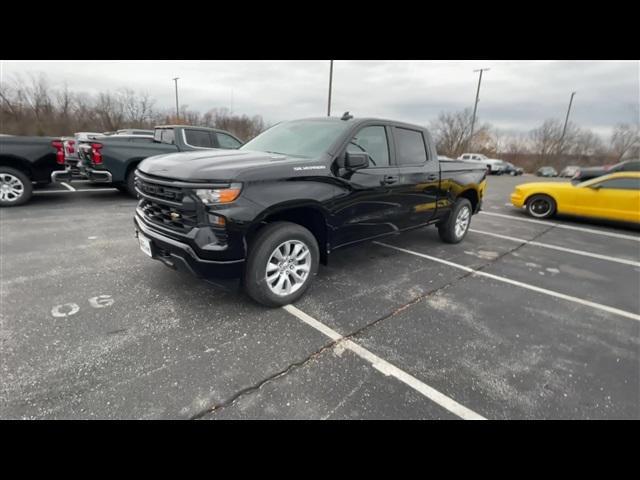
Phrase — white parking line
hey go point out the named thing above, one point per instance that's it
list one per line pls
(561, 249)
(568, 227)
(387, 368)
(75, 190)
(552, 293)
(67, 186)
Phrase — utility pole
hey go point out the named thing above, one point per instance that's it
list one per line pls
(475, 106)
(177, 109)
(330, 82)
(566, 120)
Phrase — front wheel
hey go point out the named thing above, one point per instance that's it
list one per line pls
(15, 187)
(455, 228)
(283, 259)
(541, 206)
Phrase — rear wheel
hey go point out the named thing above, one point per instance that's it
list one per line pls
(15, 187)
(541, 206)
(455, 228)
(283, 259)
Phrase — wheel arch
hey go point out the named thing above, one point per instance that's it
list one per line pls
(16, 163)
(472, 195)
(309, 215)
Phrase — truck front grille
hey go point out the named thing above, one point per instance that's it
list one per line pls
(171, 217)
(163, 192)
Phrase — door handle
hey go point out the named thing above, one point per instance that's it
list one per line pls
(432, 177)
(387, 179)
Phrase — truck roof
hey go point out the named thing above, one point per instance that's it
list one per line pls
(360, 120)
(193, 127)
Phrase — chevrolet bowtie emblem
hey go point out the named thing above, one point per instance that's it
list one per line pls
(174, 215)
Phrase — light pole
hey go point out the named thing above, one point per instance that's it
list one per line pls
(475, 106)
(177, 109)
(566, 120)
(330, 82)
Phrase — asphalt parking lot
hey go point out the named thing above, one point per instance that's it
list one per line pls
(523, 320)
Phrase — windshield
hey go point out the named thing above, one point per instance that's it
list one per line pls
(304, 138)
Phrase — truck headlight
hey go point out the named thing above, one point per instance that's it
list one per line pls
(219, 195)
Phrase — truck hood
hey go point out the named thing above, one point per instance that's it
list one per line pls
(210, 165)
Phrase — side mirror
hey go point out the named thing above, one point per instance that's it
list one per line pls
(356, 161)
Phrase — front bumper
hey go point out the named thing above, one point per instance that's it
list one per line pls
(180, 256)
(517, 200)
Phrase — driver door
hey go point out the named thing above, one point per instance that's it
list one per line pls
(367, 209)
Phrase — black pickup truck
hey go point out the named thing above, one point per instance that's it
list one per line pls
(24, 161)
(114, 158)
(272, 210)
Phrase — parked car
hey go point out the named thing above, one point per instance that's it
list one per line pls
(614, 196)
(114, 158)
(270, 211)
(492, 164)
(547, 172)
(593, 172)
(24, 161)
(512, 170)
(569, 171)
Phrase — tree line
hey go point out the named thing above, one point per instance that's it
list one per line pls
(31, 106)
(549, 144)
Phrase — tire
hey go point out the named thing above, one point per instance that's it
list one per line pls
(129, 186)
(541, 206)
(285, 237)
(15, 187)
(449, 233)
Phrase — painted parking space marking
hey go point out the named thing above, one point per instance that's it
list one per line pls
(67, 186)
(101, 301)
(567, 227)
(387, 368)
(559, 248)
(552, 293)
(76, 190)
(65, 310)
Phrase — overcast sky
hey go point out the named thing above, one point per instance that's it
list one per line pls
(515, 95)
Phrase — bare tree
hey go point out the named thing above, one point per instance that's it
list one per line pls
(451, 133)
(625, 141)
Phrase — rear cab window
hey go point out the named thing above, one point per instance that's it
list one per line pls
(411, 148)
(164, 135)
(198, 138)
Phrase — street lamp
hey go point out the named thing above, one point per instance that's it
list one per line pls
(475, 106)
(177, 109)
(330, 82)
(566, 120)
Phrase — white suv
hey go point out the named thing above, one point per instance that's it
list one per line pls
(493, 164)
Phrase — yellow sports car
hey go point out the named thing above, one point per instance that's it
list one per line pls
(612, 197)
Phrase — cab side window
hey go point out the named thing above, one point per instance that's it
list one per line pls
(631, 167)
(372, 140)
(227, 141)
